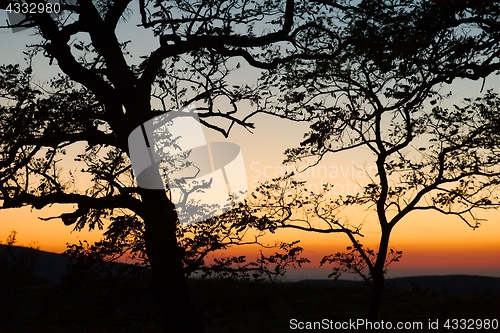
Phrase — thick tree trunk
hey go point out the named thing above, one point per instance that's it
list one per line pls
(169, 283)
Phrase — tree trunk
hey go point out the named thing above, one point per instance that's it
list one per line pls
(376, 296)
(378, 276)
(169, 282)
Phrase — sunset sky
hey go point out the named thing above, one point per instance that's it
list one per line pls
(432, 244)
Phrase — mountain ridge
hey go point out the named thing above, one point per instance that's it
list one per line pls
(53, 266)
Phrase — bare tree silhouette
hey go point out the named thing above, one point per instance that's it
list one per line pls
(101, 97)
(373, 85)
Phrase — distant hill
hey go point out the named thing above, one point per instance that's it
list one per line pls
(52, 266)
(452, 284)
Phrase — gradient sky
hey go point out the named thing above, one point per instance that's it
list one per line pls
(432, 244)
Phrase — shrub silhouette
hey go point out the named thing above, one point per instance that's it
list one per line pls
(17, 272)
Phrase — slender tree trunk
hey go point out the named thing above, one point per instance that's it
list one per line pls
(378, 276)
(168, 279)
(376, 296)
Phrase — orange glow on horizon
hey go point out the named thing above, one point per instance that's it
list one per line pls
(429, 241)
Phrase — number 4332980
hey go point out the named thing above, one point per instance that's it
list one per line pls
(33, 8)
(471, 324)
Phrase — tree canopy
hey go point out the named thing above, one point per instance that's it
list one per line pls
(374, 83)
(361, 71)
(101, 96)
